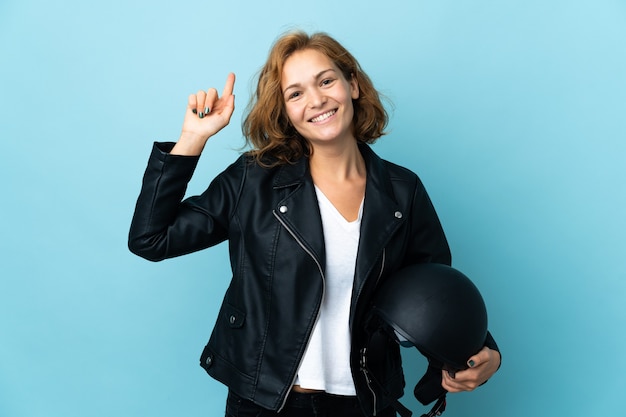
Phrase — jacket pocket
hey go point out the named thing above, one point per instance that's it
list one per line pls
(234, 317)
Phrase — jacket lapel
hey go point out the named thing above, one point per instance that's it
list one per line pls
(298, 210)
(382, 216)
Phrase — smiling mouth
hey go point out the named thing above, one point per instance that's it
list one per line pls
(323, 116)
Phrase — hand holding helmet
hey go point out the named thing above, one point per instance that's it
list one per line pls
(437, 309)
(481, 367)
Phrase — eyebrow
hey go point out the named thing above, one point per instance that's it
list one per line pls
(317, 76)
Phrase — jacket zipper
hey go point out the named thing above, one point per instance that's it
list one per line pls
(368, 380)
(382, 267)
(380, 273)
(323, 293)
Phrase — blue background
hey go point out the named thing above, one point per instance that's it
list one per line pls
(512, 112)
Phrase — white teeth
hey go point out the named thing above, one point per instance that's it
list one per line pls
(323, 116)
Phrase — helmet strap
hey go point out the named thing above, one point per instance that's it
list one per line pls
(438, 408)
(429, 388)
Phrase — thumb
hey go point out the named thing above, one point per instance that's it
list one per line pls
(476, 360)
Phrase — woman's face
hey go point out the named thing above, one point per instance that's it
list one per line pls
(318, 98)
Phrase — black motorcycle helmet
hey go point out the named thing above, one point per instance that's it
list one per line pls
(437, 309)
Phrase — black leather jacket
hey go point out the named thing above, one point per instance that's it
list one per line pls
(271, 220)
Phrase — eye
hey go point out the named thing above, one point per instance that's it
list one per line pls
(294, 95)
(327, 81)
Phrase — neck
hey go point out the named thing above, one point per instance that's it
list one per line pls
(339, 163)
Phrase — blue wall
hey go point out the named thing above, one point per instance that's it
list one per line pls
(512, 112)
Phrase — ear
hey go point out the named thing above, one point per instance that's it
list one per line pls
(354, 87)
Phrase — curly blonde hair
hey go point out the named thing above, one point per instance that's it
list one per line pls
(267, 128)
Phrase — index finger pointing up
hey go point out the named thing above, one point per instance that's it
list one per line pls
(229, 86)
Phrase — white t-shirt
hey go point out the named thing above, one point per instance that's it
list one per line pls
(326, 362)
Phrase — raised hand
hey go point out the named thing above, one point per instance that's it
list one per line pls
(206, 114)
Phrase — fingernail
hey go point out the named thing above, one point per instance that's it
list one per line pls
(201, 115)
(194, 111)
(471, 363)
(207, 110)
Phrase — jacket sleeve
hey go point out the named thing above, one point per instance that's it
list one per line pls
(164, 226)
(427, 240)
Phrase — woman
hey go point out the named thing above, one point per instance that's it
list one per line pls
(315, 222)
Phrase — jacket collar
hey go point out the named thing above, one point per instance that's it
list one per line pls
(377, 176)
(292, 174)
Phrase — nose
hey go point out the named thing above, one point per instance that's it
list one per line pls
(317, 98)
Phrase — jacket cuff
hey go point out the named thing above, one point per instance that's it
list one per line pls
(161, 151)
(490, 342)
(161, 160)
